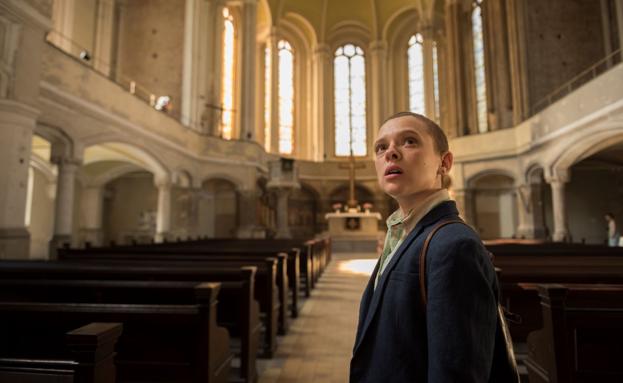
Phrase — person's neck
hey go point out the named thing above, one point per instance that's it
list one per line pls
(416, 201)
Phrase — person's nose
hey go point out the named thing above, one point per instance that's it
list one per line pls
(392, 153)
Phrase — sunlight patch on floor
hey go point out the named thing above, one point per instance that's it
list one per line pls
(358, 266)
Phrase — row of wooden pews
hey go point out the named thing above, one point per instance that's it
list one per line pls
(567, 306)
(186, 308)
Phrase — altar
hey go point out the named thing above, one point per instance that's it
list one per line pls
(353, 229)
(353, 224)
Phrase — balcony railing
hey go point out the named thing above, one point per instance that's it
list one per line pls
(159, 102)
(582, 78)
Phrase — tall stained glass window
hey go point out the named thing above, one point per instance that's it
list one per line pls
(415, 54)
(479, 66)
(227, 84)
(286, 97)
(350, 101)
(436, 81)
(267, 95)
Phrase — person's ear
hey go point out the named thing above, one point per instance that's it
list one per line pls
(447, 159)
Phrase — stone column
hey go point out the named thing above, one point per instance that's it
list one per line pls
(378, 64)
(163, 215)
(17, 122)
(104, 33)
(248, 226)
(618, 5)
(273, 40)
(321, 116)
(64, 204)
(455, 55)
(561, 233)
(283, 228)
(517, 60)
(247, 60)
(525, 209)
(92, 205)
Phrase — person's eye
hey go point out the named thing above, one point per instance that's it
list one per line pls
(380, 148)
(410, 141)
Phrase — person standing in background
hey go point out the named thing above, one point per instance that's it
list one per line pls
(613, 233)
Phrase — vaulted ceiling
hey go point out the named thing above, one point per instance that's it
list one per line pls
(324, 16)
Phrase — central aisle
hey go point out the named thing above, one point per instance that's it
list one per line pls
(319, 343)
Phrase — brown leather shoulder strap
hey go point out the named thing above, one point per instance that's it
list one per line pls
(423, 256)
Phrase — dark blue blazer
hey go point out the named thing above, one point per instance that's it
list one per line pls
(453, 340)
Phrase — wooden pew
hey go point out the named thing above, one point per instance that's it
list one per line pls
(262, 248)
(237, 309)
(88, 357)
(160, 343)
(181, 255)
(552, 266)
(265, 290)
(582, 335)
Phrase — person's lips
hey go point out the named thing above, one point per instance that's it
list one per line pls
(393, 171)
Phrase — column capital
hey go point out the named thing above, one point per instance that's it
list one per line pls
(162, 183)
(557, 176)
(67, 163)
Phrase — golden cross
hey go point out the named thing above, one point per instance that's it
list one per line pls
(352, 202)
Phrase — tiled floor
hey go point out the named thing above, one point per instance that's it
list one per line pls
(319, 343)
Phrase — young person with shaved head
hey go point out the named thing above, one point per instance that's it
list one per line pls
(440, 329)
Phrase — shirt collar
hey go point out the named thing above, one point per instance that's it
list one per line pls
(414, 216)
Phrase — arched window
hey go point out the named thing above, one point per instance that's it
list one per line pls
(227, 81)
(286, 97)
(479, 66)
(415, 54)
(350, 101)
(436, 81)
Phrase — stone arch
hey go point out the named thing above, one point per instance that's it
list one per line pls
(63, 145)
(583, 145)
(341, 191)
(132, 153)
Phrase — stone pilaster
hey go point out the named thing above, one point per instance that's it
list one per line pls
(558, 182)
(247, 94)
(163, 215)
(92, 204)
(202, 62)
(429, 71)
(517, 60)
(17, 122)
(104, 33)
(378, 66)
(64, 204)
(321, 116)
(455, 60)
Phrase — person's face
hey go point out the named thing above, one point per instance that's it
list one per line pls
(407, 163)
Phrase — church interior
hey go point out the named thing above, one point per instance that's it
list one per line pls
(119, 117)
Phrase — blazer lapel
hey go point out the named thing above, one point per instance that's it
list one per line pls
(442, 210)
(365, 301)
